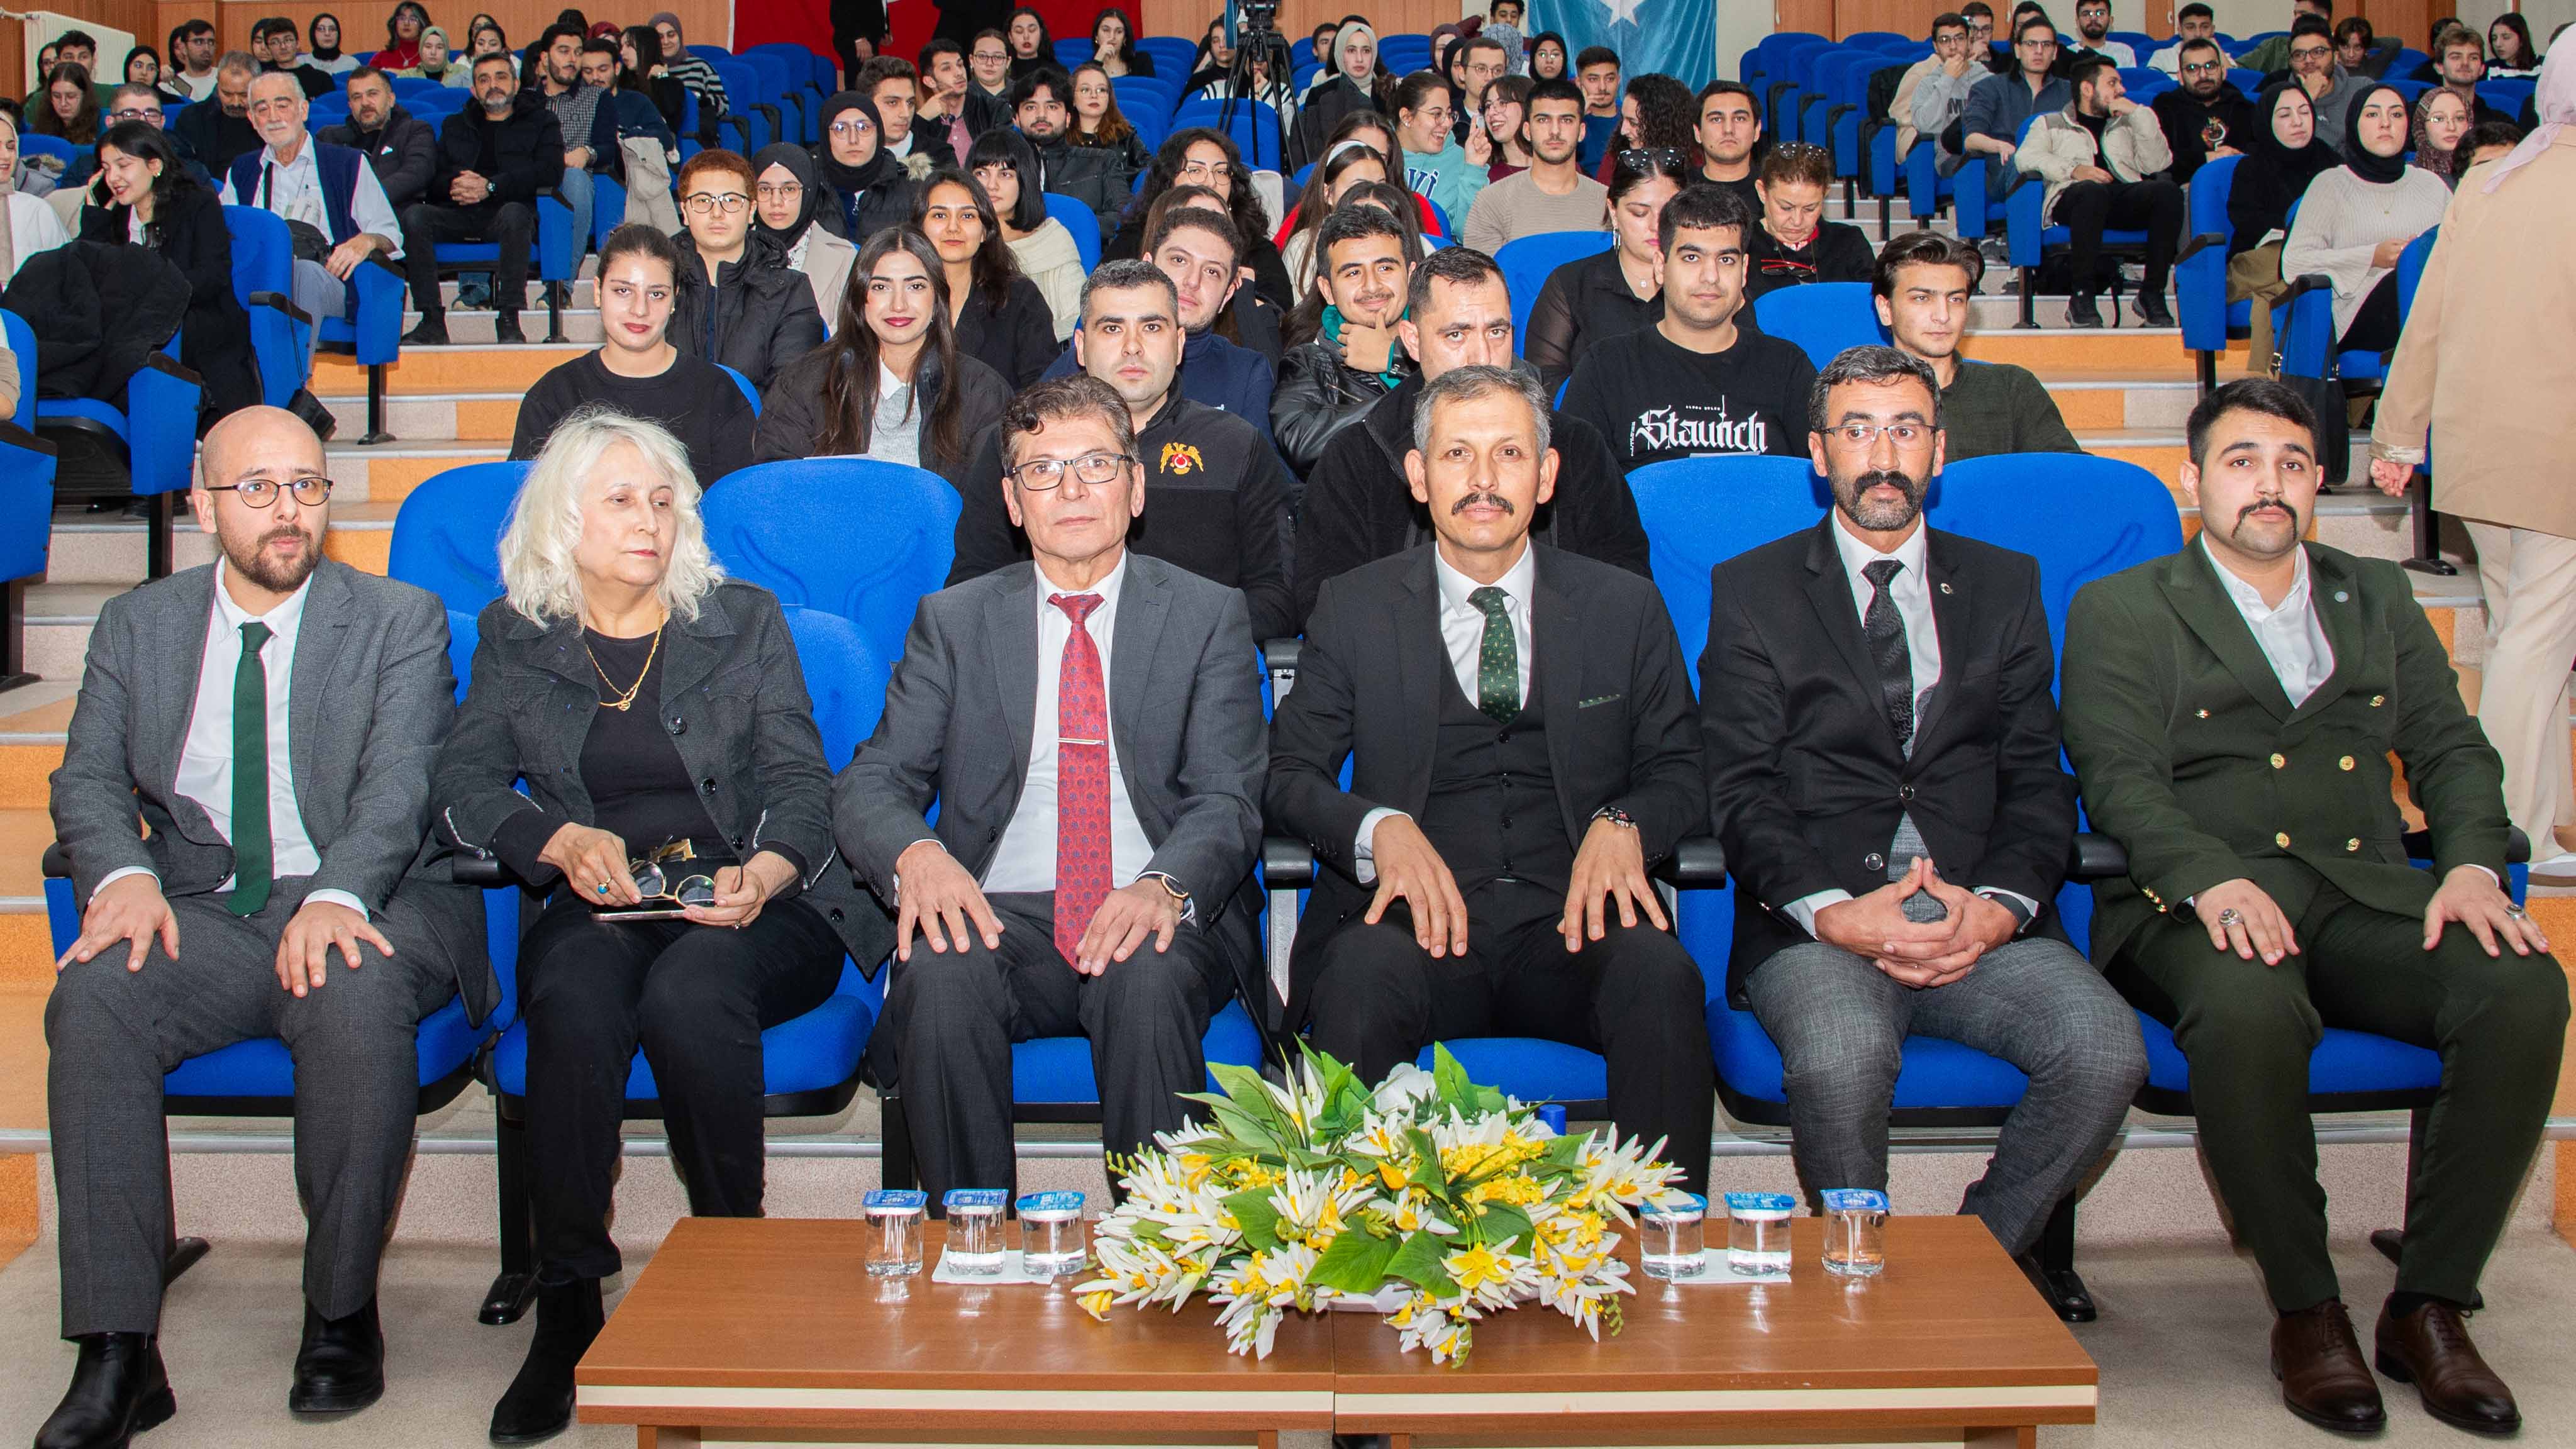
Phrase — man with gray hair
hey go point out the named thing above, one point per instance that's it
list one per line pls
(217, 133)
(1882, 756)
(1518, 726)
(277, 892)
(1218, 492)
(1091, 871)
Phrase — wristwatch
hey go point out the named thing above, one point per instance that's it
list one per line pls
(1172, 888)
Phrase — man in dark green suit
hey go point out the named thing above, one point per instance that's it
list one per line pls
(2230, 711)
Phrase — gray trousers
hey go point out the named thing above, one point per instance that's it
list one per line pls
(320, 295)
(113, 1033)
(1841, 1023)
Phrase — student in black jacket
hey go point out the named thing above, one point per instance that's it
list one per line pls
(495, 158)
(1000, 317)
(739, 302)
(2204, 118)
(1610, 293)
(144, 194)
(1358, 506)
(1791, 243)
(870, 189)
(399, 147)
(217, 129)
(1349, 355)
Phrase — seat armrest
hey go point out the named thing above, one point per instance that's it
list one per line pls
(1697, 863)
(1286, 864)
(14, 436)
(479, 870)
(1279, 656)
(58, 862)
(278, 302)
(2096, 857)
(2198, 244)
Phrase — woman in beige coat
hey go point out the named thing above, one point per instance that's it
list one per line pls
(2488, 362)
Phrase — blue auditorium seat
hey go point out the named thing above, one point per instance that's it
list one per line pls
(761, 524)
(1081, 221)
(155, 433)
(1253, 126)
(26, 506)
(553, 255)
(447, 535)
(1528, 261)
(281, 333)
(1172, 54)
(2208, 319)
(1823, 318)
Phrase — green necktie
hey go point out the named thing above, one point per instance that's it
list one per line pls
(1498, 660)
(251, 856)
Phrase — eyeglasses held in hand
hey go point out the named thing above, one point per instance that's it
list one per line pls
(1094, 469)
(654, 884)
(261, 493)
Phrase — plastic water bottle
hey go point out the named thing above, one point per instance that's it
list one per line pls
(974, 1230)
(1676, 1237)
(1052, 1238)
(894, 1232)
(1855, 1232)
(1757, 1233)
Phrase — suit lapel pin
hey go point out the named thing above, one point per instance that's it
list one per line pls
(2342, 597)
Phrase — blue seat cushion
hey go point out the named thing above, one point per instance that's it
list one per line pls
(811, 1053)
(1530, 1068)
(2058, 236)
(261, 1067)
(2344, 1061)
(1056, 1070)
(451, 253)
(1937, 1073)
(84, 407)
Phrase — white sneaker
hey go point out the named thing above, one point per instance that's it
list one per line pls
(2557, 870)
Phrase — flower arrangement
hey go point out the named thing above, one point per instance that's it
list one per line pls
(1431, 1199)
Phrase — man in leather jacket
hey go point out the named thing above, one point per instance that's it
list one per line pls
(1353, 357)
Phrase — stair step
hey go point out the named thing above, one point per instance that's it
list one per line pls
(387, 472)
(440, 417)
(457, 367)
(481, 328)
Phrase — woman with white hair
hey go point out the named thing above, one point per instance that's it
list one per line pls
(678, 809)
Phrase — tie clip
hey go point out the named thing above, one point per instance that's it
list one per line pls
(1069, 740)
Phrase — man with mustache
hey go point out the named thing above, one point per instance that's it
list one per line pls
(1519, 734)
(1882, 767)
(270, 717)
(2230, 711)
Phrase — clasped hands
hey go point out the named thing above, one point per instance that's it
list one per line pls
(2468, 895)
(133, 910)
(591, 858)
(1610, 866)
(1917, 953)
(940, 898)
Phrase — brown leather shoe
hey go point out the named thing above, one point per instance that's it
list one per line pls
(2317, 1358)
(2430, 1349)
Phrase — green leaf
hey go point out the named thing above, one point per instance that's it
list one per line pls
(1500, 1224)
(1417, 1262)
(1457, 1089)
(1355, 1262)
(1260, 1221)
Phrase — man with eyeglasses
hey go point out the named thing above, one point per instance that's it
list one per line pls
(1882, 767)
(2093, 24)
(335, 211)
(2312, 65)
(495, 158)
(137, 102)
(1218, 496)
(739, 303)
(2273, 55)
(192, 59)
(276, 42)
(2192, 22)
(2204, 118)
(2000, 105)
(1091, 870)
(1436, 166)
(271, 717)
(588, 120)
(1951, 69)
(399, 146)
(1981, 37)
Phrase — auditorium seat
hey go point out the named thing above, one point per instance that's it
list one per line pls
(2209, 321)
(282, 335)
(1081, 221)
(894, 543)
(552, 260)
(1254, 127)
(1823, 318)
(26, 506)
(154, 434)
(2030, 241)
(1528, 261)
(447, 535)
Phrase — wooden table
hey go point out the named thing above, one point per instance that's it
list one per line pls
(1949, 1346)
(770, 1332)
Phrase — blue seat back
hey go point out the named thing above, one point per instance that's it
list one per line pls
(1823, 318)
(2410, 270)
(1080, 220)
(26, 475)
(1073, 50)
(447, 535)
(22, 344)
(1172, 54)
(264, 261)
(845, 675)
(1528, 261)
(1700, 512)
(743, 384)
(1253, 126)
(2018, 501)
(2200, 280)
(762, 524)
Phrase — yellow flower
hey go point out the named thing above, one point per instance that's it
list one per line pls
(1478, 1266)
(1097, 1304)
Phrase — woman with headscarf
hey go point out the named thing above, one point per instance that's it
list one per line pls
(690, 71)
(439, 62)
(2281, 158)
(1355, 81)
(869, 189)
(2442, 121)
(2488, 363)
(2356, 220)
(402, 38)
(787, 198)
(325, 55)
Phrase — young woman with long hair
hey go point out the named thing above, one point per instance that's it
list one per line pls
(1350, 165)
(1097, 122)
(1032, 48)
(999, 315)
(1506, 106)
(1113, 44)
(1199, 156)
(1374, 130)
(1008, 168)
(67, 107)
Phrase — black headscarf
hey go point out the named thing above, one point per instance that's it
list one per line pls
(317, 52)
(799, 163)
(2376, 169)
(849, 183)
(2272, 177)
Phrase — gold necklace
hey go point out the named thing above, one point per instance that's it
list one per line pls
(626, 697)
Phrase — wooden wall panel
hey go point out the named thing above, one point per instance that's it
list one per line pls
(2408, 20)
(1815, 17)
(1298, 17)
(706, 22)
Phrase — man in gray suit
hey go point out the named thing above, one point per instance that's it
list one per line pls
(1091, 871)
(272, 717)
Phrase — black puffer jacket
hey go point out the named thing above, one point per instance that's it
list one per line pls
(521, 154)
(214, 337)
(99, 311)
(1096, 176)
(1319, 395)
(792, 412)
(757, 316)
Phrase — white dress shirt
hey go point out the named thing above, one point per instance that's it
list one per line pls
(1462, 633)
(1024, 861)
(1911, 592)
(295, 193)
(2291, 638)
(206, 760)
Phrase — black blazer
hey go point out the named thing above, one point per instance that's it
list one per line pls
(214, 338)
(734, 700)
(1606, 669)
(1805, 780)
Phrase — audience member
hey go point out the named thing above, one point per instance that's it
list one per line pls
(185, 814)
(1656, 114)
(1199, 156)
(2312, 66)
(739, 303)
(1343, 352)
(917, 141)
(1502, 121)
(2268, 182)
(2103, 159)
(2483, 363)
(336, 213)
(1032, 48)
(1436, 166)
(1008, 170)
(2001, 104)
(891, 384)
(1698, 382)
(1197, 248)
(1614, 292)
(440, 62)
(1358, 506)
(1554, 194)
(2462, 58)
(1215, 495)
(942, 69)
(1053, 901)
(1957, 68)
(2193, 22)
(275, 42)
(2510, 52)
(2265, 900)
(2272, 55)
(1095, 175)
(1354, 80)
(1376, 132)
(215, 134)
(1511, 920)
(648, 148)
(692, 72)
(2360, 51)
(1000, 317)
(1835, 788)
(1792, 243)
(1980, 16)
(866, 188)
(2204, 118)
(2356, 219)
(1596, 73)
(2441, 123)
(639, 54)
(495, 158)
(1503, 27)
(402, 37)
(34, 226)
(786, 200)
(2093, 27)
(1937, 109)
(2490, 141)
(192, 59)
(1925, 283)
(1113, 46)
(144, 194)
(988, 92)
(587, 118)
(143, 68)
(68, 107)
(400, 148)
(1548, 57)
(661, 928)
(322, 49)
(1730, 137)
(1345, 169)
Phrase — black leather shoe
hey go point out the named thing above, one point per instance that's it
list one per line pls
(432, 332)
(118, 1391)
(2081, 312)
(538, 1404)
(2430, 1348)
(506, 328)
(2152, 310)
(2324, 1380)
(341, 1368)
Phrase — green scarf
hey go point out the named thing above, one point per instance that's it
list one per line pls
(1333, 333)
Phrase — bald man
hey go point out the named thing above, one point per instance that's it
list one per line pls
(271, 716)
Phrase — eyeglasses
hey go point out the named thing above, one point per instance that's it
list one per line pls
(261, 493)
(1094, 469)
(132, 113)
(993, 55)
(2203, 67)
(1218, 170)
(851, 128)
(731, 203)
(653, 884)
(1639, 158)
(2313, 52)
(781, 191)
(1861, 435)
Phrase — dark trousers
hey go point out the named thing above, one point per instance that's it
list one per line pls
(1635, 996)
(2374, 328)
(2247, 1029)
(512, 224)
(2088, 208)
(944, 1043)
(696, 998)
(354, 1040)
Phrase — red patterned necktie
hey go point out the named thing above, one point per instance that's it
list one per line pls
(1081, 778)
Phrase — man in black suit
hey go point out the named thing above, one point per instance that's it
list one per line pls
(1882, 755)
(1522, 750)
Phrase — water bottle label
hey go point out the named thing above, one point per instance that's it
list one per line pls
(973, 1197)
(1063, 1203)
(1778, 1204)
(1855, 1200)
(895, 1200)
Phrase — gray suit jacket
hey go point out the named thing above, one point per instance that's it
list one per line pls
(1185, 711)
(372, 698)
